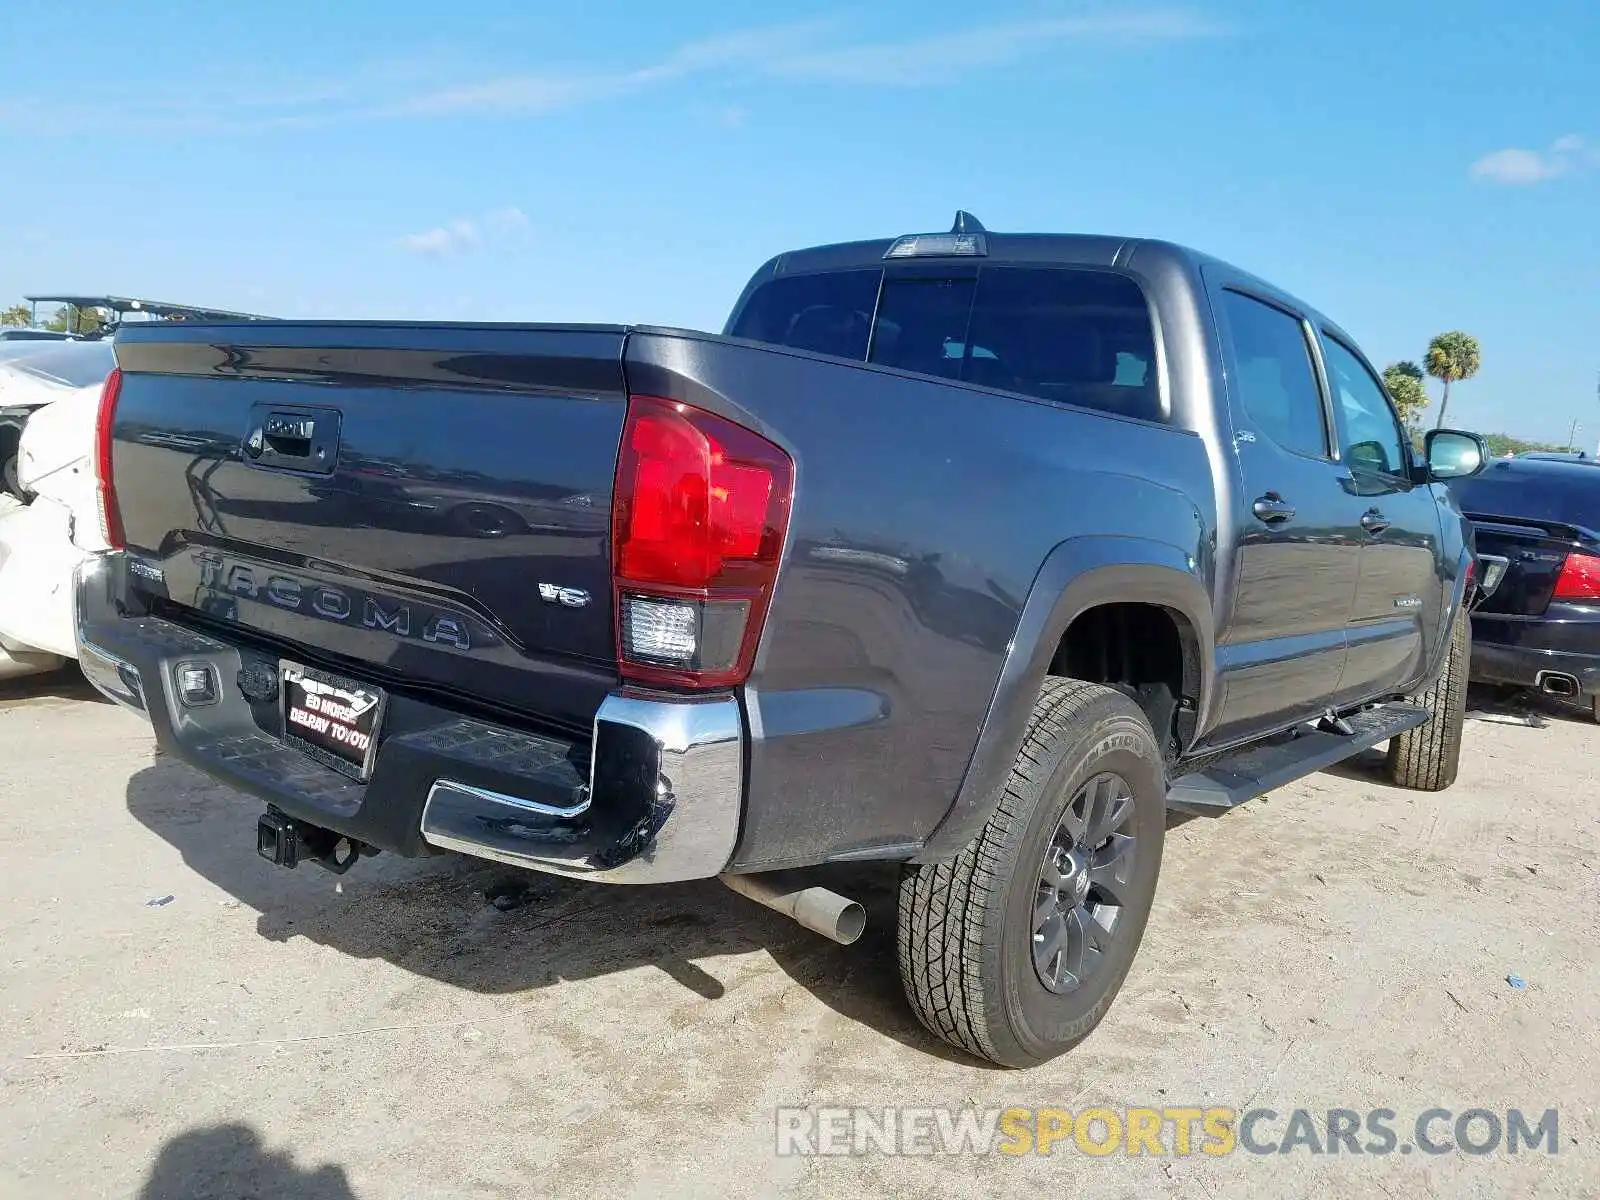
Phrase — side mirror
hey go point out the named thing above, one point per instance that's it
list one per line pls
(1454, 454)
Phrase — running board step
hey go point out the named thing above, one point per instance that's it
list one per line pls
(1245, 774)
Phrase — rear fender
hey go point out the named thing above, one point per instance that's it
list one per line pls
(1077, 575)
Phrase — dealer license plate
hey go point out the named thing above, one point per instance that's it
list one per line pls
(333, 719)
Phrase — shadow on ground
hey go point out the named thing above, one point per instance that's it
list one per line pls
(1526, 703)
(230, 1161)
(442, 917)
(1366, 767)
(63, 685)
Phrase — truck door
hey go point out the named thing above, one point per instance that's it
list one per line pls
(1397, 596)
(1281, 650)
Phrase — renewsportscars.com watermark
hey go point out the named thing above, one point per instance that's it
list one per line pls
(1169, 1130)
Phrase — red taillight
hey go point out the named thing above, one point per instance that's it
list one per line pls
(110, 515)
(699, 514)
(1579, 579)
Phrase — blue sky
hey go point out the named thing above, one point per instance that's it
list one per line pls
(1407, 166)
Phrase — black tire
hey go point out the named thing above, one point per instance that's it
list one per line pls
(1428, 757)
(967, 927)
(10, 460)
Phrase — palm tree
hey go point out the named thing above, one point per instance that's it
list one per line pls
(1452, 357)
(1404, 381)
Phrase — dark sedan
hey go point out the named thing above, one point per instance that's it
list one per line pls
(1540, 627)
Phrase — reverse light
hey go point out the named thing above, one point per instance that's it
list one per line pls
(660, 631)
(1579, 578)
(105, 489)
(699, 514)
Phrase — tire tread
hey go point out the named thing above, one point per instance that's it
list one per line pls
(943, 905)
(1428, 757)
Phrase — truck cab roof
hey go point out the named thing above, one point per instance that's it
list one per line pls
(1148, 257)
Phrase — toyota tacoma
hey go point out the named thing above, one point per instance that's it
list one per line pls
(971, 552)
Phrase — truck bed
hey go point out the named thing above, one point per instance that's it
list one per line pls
(475, 463)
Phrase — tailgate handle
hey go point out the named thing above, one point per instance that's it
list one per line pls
(290, 435)
(293, 439)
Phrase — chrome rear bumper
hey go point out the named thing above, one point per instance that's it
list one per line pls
(698, 785)
(660, 802)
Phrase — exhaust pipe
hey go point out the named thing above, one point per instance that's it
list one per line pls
(1557, 683)
(819, 910)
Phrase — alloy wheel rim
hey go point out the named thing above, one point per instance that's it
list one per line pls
(1085, 884)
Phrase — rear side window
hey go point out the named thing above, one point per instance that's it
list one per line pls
(1070, 335)
(826, 314)
(1277, 386)
(1073, 336)
(1078, 337)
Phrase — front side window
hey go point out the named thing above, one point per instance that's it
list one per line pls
(1370, 433)
(1277, 385)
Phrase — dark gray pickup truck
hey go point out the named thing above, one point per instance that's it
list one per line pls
(973, 552)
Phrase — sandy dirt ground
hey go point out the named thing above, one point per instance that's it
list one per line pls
(180, 1019)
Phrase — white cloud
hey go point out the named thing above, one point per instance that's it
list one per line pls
(720, 116)
(941, 57)
(506, 220)
(524, 94)
(545, 91)
(1517, 167)
(813, 50)
(465, 234)
(458, 237)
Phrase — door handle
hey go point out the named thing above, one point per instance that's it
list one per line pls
(1272, 509)
(1374, 522)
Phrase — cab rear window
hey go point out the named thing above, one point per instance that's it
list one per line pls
(1071, 335)
(825, 314)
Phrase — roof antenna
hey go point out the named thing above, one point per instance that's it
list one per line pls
(967, 223)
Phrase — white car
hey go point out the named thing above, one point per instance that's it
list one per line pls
(49, 510)
(34, 374)
(43, 539)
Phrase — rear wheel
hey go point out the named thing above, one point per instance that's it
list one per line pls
(1015, 949)
(1428, 757)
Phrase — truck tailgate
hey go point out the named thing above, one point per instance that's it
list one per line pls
(429, 504)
